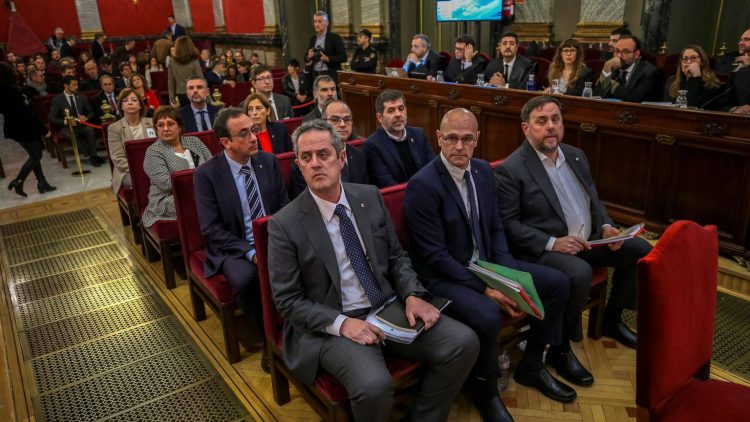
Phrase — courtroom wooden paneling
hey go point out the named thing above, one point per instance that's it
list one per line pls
(651, 164)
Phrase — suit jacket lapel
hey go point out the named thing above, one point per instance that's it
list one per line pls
(361, 210)
(536, 169)
(413, 149)
(226, 179)
(390, 148)
(450, 186)
(318, 238)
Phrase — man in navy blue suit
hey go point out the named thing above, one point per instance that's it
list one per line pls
(174, 29)
(199, 115)
(231, 190)
(395, 151)
(450, 209)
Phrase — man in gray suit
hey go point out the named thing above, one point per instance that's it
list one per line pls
(551, 210)
(333, 257)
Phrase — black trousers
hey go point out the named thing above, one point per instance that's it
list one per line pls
(35, 148)
(86, 139)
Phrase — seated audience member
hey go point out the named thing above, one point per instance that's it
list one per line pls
(141, 87)
(551, 210)
(628, 76)
(737, 59)
(395, 151)
(170, 153)
(422, 61)
(199, 114)
(338, 114)
(325, 298)
(107, 67)
(68, 70)
(35, 85)
(108, 96)
(83, 58)
(614, 36)
(66, 50)
(228, 56)
(54, 60)
(741, 86)
(123, 81)
(255, 60)
(262, 81)
(153, 66)
(205, 60)
(217, 74)
(233, 74)
(568, 67)
(510, 68)
(450, 209)
(272, 136)
(243, 72)
(56, 40)
(79, 108)
(231, 190)
(365, 58)
(295, 85)
(704, 89)
(239, 56)
(133, 125)
(121, 53)
(91, 82)
(21, 72)
(133, 61)
(466, 63)
(324, 91)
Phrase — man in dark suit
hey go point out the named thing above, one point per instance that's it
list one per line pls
(66, 49)
(466, 63)
(174, 29)
(231, 190)
(217, 74)
(109, 96)
(324, 91)
(333, 258)
(338, 114)
(91, 81)
(450, 208)
(510, 68)
(614, 36)
(326, 50)
(97, 47)
(199, 115)
(422, 61)
(122, 52)
(628, 76)
(79, 108)
(262, 81)
(551, 210)
(395, 151)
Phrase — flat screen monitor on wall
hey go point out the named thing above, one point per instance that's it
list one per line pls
(469, 10)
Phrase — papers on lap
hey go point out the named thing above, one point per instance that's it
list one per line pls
(391, 318)
(517, 285)
(626, 234)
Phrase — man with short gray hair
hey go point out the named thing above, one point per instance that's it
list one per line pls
(325, 284)
(422, 61)
(326, 50)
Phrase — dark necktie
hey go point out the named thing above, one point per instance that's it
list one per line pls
(202, 114)
(624, 77)
(112, 103)
(253, 195)
(506, 73)
(474, 216)
(73, 108)
(274, 117)
(358, 258)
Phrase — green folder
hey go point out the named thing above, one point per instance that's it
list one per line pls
(517, 285)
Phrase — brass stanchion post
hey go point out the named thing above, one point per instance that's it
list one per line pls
(70, 121)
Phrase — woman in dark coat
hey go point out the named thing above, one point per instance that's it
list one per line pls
(23, 126)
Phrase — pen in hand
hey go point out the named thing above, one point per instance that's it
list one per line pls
(580, 231)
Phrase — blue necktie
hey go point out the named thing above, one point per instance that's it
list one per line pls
(253, 195)
(203, 122)
(474, 216)
(358, 259)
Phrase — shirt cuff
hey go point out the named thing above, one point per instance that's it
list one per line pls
(606, 74)
(550, 244)
(335, 328)
(250, 254)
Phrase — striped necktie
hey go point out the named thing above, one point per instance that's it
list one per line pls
(253, 194)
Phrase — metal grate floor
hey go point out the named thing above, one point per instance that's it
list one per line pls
(101, 345)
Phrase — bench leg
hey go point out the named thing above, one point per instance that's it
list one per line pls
(279, 383)
(596, 315)
(124, 215)
(149, 251)
(199, 308)
(167, 263)
(61, 155)
(231, 341)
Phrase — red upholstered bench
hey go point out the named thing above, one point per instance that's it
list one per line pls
(327, 396)
(285, 165)
(125, 197)
(209, 138)
(292, 124)
(212, 290)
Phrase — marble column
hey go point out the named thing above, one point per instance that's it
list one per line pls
(598, 18)
(219, 24)
(88, 18)
(533, 21)
(341, 17)
(271, 17)
(373, 17)
(655, 23)
(394, 28)
(182, 13)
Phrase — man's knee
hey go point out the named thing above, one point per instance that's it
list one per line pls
(637, 248)
(375, 392)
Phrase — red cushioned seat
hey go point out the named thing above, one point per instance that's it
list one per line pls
(216, 284)
(164, 229)
(710, 400)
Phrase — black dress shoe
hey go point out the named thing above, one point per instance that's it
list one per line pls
(43, 186)
(569, 367)
(492, 409)
(264, 363)
(543, 381)
(17, 186)
(620, 332)
(95, 161)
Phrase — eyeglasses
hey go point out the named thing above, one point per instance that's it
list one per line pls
(466, 140)
(264, 79)
(623, 52)
(246, 133)
(569, 51)
(689, 59)
(335, 120)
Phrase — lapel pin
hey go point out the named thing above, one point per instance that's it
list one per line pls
(577, 158)
(261, 165)
(362, 205)
(411, 140)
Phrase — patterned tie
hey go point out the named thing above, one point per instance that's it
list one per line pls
(253, 195)
(73, 108)
(274, 117)
(474, 216)
(112, 103)
(358, 258)
(506, 73)
(203, 124)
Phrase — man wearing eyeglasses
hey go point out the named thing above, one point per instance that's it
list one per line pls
(627, 76)
(338, 114)
(450, 208)
(231, 190)
(262, 80)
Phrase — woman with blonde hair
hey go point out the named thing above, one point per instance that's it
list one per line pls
(183, 65)
(568, 67)
(272, 136)
(695, 76)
